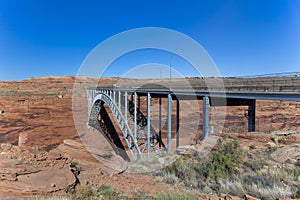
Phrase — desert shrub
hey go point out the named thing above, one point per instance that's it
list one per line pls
(259, 181)
(278, 140)
(183, 168)
(279, 175)
(193, 170)
(171, 178)
(232, 186)
(274, 191)
(294, 172)
(297, 194)
(255, 165)
(257, 186)
(236, 130)
(73, 164)
(106, 191)
(175, 196)
(82, 192)
(224, 161)
(181, 171)
(142, 196)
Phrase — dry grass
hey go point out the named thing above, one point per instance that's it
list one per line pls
(238, 188)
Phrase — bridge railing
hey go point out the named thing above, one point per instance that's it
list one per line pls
(228, 85)
(266, 85)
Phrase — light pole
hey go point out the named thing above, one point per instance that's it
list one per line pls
(171, 57)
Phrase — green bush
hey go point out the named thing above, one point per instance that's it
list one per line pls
(107, 191)
(171, 178)
(183, 168)
(224, 161)
(297, 194)
(192, 170)
(82, 192)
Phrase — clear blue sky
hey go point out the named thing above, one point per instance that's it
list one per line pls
(52, 37)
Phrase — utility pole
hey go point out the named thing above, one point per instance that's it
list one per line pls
(170, 70)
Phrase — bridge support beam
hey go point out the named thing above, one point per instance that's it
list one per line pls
(205, 120)
(148, 124)
(159, 123)
(169, 138)
(125, 115)
(125, 106)
(135, 121)
(114, 95)
(177, 123)
(251, 116)
(139, 102)
(119, 101)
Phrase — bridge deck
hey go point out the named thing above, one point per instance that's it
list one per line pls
(263, 88)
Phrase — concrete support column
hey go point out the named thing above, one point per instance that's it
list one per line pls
(177, 123)
(159, 123)
(169, 137)
(148, 124)
(110, 95)
(125, 116)
(114, 100)
(205, 120)
(251, 116)
(125, 106)
(90, 100)
(119, 99)
(135, 121)
(114, 95)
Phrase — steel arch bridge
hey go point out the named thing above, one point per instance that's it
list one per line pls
(137, 132)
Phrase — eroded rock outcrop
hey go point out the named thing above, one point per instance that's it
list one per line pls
(27, 172)
(35, 171)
